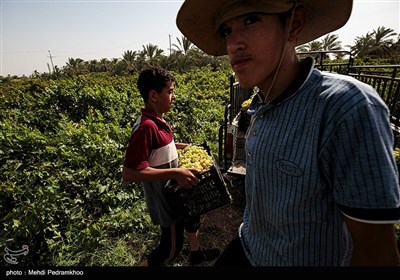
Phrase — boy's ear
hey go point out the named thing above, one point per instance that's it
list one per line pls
(299, 19)
(153, 96)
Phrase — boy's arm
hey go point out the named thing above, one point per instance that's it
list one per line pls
(181, 145)
(185, 177)
(374, 244)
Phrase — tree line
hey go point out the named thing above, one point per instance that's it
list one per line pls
(380, 44)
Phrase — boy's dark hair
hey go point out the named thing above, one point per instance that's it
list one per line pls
(154, 78)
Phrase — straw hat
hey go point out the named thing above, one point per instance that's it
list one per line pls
(198, 20)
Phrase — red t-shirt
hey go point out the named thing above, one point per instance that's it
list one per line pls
(151, 143)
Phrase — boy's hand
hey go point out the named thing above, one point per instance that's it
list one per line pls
(186, 177)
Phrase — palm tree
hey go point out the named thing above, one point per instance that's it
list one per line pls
(141, 61)
(152, 51)
(382, 41)
(92, 65)
(75, 66)
(310, 47)
(362, 45)
(128, 61)
(104, 65)
(376, 44)
(330, 43)
(114, 63)
(184, 46)
(396, 47)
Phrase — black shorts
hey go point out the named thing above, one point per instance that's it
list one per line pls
(171, 241)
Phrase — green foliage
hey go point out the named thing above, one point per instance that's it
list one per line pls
(62, 144)
(199, 107)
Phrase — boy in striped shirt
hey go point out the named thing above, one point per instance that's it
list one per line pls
(321, 184)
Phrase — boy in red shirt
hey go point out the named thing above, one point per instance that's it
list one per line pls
(152, 158)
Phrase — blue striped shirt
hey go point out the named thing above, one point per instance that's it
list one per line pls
(325, 151)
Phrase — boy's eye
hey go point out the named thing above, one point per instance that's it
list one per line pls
(252, 18)
(224, 31)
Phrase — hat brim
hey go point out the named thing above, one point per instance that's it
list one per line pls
(196, 20)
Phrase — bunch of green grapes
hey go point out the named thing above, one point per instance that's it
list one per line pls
(396, 153)
(195, 157)
(246, 104)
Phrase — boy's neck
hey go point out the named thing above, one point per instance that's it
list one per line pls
(150, 107)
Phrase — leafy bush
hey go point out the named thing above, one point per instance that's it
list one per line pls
(62, 144)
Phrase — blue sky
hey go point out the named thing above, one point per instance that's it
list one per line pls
(105, 29)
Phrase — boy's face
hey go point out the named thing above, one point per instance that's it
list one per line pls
(165, 98)
(254, 43)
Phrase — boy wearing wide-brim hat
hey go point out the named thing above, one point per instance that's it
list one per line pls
(321, 181)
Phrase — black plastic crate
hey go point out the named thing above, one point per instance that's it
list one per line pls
(209, 194)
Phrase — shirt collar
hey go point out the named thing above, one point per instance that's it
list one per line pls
(307, 66)
(151, 115)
